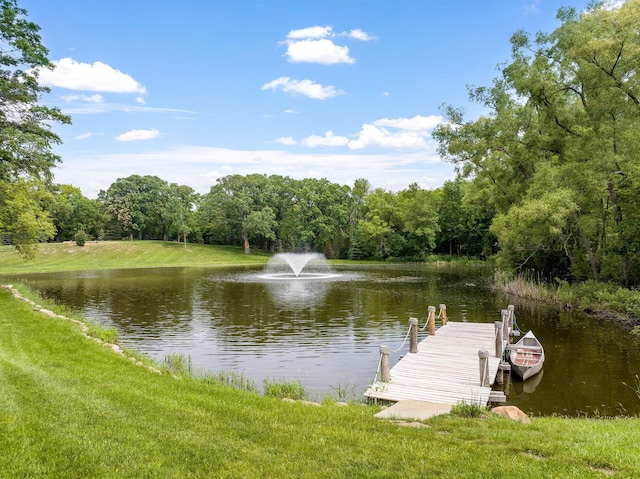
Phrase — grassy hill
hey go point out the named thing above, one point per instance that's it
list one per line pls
(124, 254)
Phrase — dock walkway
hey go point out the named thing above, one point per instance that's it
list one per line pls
(445, 368)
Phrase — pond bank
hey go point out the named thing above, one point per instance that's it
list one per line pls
(601, 300)
(72, 408)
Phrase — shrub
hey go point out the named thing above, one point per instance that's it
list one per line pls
(81, 237)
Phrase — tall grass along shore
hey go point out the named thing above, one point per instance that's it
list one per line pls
(606, 300)
(74, 406)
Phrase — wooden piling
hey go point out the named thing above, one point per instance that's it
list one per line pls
(483, 356)
(443, 314)
(432, 320)
(385, 369)
(499, 345)
(506, 329)
(510, 312)
(413, 335)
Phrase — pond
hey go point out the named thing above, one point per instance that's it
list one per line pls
(326, 334)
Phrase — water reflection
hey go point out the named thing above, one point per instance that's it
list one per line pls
(328, 333)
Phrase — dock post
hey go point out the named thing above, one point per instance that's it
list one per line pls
(385, 371)
(432, 320)
(510, 310)
(499, 344)
(443, 314)
(413, 335)
(505, 324)
(483, 356)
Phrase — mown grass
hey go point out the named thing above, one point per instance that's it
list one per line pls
(71, 407)
(124, 254)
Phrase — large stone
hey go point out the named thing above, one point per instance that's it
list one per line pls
(415, 410)
(513, 413)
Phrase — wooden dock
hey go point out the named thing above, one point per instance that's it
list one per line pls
(446, 368)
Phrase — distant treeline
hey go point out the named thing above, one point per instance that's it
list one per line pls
(279, 213)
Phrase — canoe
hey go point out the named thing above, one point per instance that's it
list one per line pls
(526, 356)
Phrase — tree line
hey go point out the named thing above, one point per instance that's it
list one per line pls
(548, 175)
(278, 213)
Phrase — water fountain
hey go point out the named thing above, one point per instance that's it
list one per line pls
(298, 266)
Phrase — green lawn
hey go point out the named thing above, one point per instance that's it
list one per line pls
(71, 407)
(124, 254)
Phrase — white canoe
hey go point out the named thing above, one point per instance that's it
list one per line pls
(526, 356)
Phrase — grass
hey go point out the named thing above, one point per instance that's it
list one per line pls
(125, 254)
(72, 407)
(284, 389)
(601, 299)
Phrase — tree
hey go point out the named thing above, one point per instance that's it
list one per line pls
(71, 212)
(237, 203)
(26, 138)
(136, 202)
(419, 216)
(561, 138)
(179, 210)
(23, 216)
(462, 221)
(378, 232)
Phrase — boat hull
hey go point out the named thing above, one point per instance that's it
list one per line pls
(525, 372)
(526, 357)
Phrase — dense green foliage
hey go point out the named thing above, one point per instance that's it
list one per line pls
(26, 159)
(556, 156)
(70, 407)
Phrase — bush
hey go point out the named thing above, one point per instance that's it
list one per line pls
(81, 237)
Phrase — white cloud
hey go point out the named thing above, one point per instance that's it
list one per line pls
(87, 98)
(408, 133)
(302, 87)
(315, 45)
(200, 167)
(318, 51)
(417, 123)
(97, 76)
(329, 139)
(136, 135)
(310, 32)
(358, 34)
(93, 108)
(371, 136)
(140, 100)
(385, 133)
(84, 136)
(287, 140)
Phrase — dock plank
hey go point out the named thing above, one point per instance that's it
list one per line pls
(445, 369)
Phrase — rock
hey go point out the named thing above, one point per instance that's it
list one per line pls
(513, 413)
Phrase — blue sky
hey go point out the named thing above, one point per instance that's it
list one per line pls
(195, 90)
